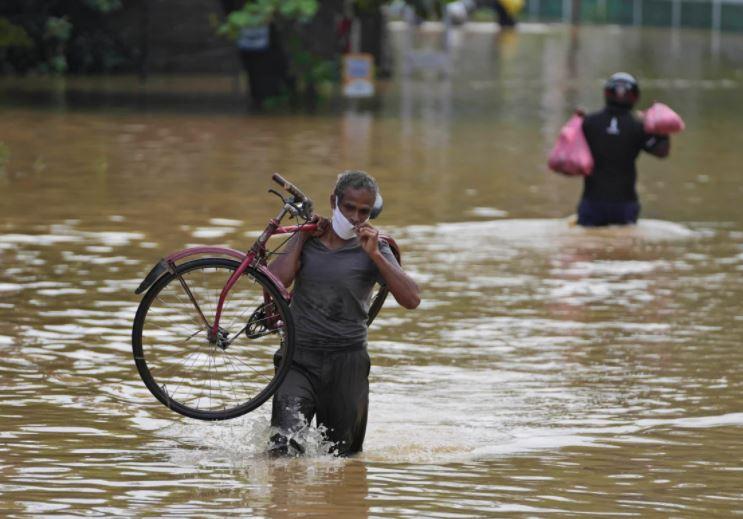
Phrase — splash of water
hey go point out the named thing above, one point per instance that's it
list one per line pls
(240, 443)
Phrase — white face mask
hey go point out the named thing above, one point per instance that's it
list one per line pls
(341, 225)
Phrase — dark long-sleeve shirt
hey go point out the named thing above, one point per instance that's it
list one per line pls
(615, 138)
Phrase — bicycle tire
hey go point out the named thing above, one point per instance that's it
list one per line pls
(156, 322)
(376, 304)
(379, 298)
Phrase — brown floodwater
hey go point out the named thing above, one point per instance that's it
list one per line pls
(550, 370)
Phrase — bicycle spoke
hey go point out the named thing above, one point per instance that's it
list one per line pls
(202, 393)
(248, 366)
(191, 298)
(234, 370)
(240, 317)
(173, 323)
(214, 297)
(247, 305)
(202, 379)
(186, 327)
(194, 334)
(174, 366)
(237, 370)
(170, 332)
(210, 360)
(182, 303)
(181, 381)
(219, 388)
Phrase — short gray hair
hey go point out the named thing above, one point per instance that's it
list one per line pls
(357, 180)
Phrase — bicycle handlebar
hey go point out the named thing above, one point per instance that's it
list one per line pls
(291, 188)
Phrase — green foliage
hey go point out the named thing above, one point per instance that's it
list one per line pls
(262, 12)
(12, 35)
(483, 15)
(309, 68)
(314, 77)
(57, 32)
(104, 6)
(277, 102)
(58, 28)
(57, 64)
(56, 37)
(252, 14)
(368, 6)
(301, 10)
(428, 9)
(4, 154)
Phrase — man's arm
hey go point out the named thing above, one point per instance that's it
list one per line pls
(658, 145)
(287, 264)
(400, 284)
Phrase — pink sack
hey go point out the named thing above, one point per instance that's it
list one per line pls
(659, 119)
(571, 154)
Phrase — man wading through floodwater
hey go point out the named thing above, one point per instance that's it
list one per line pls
(615, 138)
(334, 271)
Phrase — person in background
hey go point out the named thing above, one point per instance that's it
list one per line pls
(459, 11)
(334, 271)
(616, 137)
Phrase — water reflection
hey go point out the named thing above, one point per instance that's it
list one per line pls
(581, 353)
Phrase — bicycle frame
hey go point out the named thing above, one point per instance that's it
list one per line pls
(254, 258)
(221, 273)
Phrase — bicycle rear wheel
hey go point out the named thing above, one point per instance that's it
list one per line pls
(212, 380)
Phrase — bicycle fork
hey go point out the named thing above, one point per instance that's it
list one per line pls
(214, 335)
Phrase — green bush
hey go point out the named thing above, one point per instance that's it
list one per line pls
(4, 155)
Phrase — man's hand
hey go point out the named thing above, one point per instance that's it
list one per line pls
(368, 238)
(323, 225)
(402, 286)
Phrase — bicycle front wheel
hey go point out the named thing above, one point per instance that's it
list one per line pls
(199, 375)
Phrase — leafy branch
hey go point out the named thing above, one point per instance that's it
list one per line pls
(262, 12)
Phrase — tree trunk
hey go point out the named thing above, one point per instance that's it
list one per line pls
(268, 69)
(374, 39)
(144, 39)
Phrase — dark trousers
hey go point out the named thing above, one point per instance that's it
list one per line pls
(593, 213)
(331, 385)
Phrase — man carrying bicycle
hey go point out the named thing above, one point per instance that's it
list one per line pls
(334, 271)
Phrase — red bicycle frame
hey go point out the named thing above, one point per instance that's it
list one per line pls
(254, 258)
(258, 252)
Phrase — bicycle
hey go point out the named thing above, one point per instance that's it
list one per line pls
(212, 357)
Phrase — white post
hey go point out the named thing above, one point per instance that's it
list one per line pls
(534, 9)
(716, 26)
(447, 30)
(637, 12)
(567, 11)
(675, 23)
(676, 14)
(355, 35)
